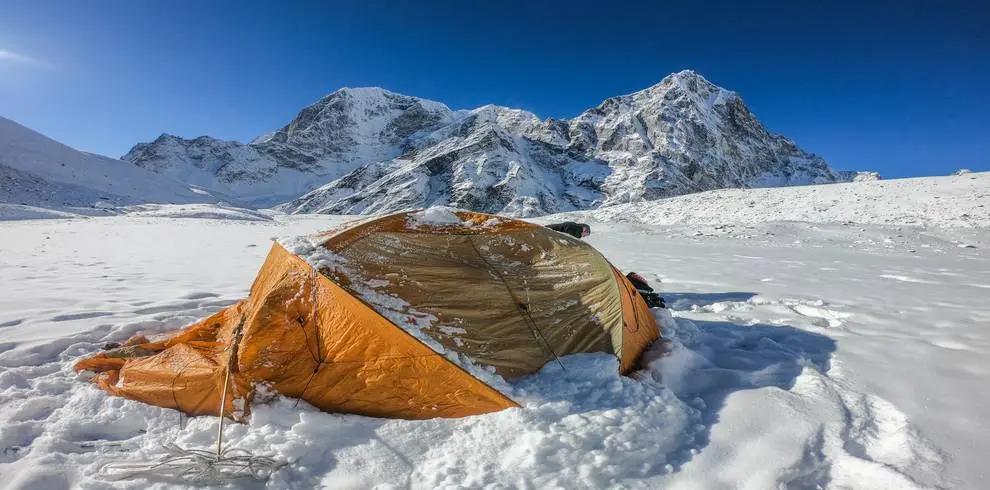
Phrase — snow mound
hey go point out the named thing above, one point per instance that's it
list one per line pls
(434, 216)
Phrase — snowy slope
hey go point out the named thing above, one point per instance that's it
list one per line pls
(953, 201)
(38, 171)
(368, 150)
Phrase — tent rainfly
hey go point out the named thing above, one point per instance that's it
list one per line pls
(390, 317)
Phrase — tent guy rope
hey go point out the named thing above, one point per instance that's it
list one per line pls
(200, 465)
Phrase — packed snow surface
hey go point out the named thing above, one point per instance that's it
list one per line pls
(798, 355)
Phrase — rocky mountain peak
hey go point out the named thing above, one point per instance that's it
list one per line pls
(689, 80)
(515, 121)
(358, 124)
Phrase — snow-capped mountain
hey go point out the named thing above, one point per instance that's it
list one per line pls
(685, 135)
(369, 150)
(38, 171)
(483, 160)
(342, 131)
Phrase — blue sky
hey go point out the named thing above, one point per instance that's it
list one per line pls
(900, 87)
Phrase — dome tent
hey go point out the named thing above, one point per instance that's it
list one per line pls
(397, 316)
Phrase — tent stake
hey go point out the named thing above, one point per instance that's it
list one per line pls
(231, 358)
(223, 402)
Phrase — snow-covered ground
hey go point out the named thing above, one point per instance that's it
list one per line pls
(13, 212)
(800, 355)
(952, 201)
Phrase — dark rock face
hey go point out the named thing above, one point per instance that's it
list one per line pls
(371, 151)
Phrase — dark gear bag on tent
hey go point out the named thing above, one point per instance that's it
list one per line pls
(576, 230)
(652, 298)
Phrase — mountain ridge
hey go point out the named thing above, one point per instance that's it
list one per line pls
(369, 150)
(678, 136)
(325, 140)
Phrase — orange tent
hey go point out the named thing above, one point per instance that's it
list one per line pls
(396, 316)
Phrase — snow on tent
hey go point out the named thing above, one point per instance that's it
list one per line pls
(389, 318)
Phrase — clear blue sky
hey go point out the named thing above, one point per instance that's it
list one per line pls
(900, 87)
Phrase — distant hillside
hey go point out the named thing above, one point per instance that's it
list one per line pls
(38, 171)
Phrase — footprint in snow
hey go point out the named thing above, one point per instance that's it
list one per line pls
(12, 323)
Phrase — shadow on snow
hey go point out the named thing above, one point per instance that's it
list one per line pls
(708, 361)
(684, 301)
(700, 364)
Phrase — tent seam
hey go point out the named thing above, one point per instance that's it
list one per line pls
(524, 312)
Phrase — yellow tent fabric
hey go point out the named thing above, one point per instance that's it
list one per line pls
(384, 321)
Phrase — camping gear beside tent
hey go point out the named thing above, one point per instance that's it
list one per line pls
(651, 297)
(390, 317)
